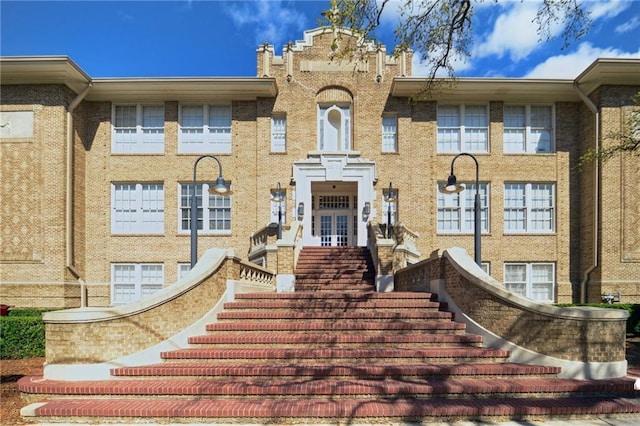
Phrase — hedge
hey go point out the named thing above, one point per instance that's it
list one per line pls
(22, 334)
(633, 323)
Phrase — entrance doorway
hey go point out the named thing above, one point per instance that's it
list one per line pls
(335, 213)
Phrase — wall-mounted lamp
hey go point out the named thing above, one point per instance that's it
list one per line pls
(366, 211)
(300, 211)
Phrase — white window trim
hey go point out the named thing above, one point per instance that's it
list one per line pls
(345, 143)
(140, 220)
(528, 207)
(278, 137)
(143, 144)
(206, 212)
(211, 143)
(462, 143)
(466, 204)
(527, 130)
(137, 281)
(529, 279)
(390, 136)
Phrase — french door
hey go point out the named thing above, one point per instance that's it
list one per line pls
(334, 229)
(333, 219)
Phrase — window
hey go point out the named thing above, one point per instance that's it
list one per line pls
(456, 211)
(535, 281)
(205, 129)
(389, 134)
(183, 269)
(216, 218)
(131, 282)
(463, 128)
(529, 207)
(137, 208)
(334, 128)
(278, 133)
(528, 129)
(138, 129)
(278, 208)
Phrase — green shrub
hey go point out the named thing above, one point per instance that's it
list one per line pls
(633, 322)
(22, 334)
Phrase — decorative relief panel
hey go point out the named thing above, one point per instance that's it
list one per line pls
(16, 125)
(21, 192)
(630, 209)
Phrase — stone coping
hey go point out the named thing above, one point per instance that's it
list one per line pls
(208, 263)
(465, 266)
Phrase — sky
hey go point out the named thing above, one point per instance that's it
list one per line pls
(210, 38)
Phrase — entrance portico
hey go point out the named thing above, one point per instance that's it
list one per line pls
(332, 190)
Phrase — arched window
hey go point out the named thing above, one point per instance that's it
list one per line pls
(334, 128)
(334, 119)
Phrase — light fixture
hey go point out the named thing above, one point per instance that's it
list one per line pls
(219, 188)
(453, 187)
(366, 211)
(279, 195)
(300, 211)
(390, 197)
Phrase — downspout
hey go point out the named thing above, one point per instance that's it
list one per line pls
(596, 192)
(69, 196)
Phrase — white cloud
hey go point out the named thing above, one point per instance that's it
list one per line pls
(514, 32)
(606, 9)
(572, 64)
(270, 20)
(628, 26)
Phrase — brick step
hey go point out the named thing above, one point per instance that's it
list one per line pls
(333, 305)
(334, 275)
(334, 285)
(346, 296)
(313, 410)
(319, 370)
(451, 387)
(316, 340)
(328, 288)
(375, 326)
(401, 315)
(363, 355)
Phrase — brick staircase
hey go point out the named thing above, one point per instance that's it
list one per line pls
(333, 351)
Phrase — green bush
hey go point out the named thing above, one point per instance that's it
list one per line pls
(22, 334)
(633, 322)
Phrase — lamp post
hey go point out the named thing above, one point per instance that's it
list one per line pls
(220, 187)
(390, 198)
(453, 187)
(278, 195)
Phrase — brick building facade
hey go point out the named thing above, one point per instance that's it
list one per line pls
(96, 173)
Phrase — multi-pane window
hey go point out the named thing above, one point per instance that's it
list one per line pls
(535, 281)
(138, 129)
(216, 217)
(205, 129)
(137, 208)
(183, 269)
(278, 133)
(334, 128)
(389, 134)
(529, 207)
(131, 282)
(456, 211)
(528, 128)
(463, 128)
